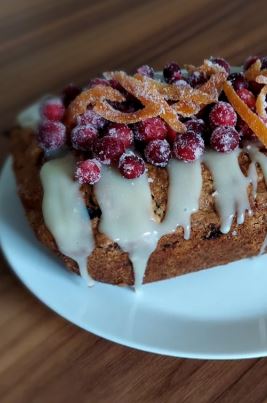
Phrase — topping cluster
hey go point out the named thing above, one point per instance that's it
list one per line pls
(124, 120)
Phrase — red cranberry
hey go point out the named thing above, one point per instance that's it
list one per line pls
(69, 93)
(150, 129)
(146, 70)
(171, 135)
(247, 97)
(222, 114)
(238, 81)
(109, 149)
(221, 62)
(53, 109)
(98, 81)
(196, 79)
(172, 72)
(249, 61)
(88, 172)
(92, 118)
(255, 87)
(83, 137)
(158, 152)
(122, 132)
(131, 166)
(51, 135)
(188, 146)
(244, 130)
(224, 139)
(196, 125)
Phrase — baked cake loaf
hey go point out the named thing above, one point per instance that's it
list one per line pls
(138, 179)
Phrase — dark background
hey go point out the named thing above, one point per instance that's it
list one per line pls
(45, 44)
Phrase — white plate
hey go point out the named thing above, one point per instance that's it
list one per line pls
(219, 313)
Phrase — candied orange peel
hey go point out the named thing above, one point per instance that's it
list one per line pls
(253, 121)
(94, 95)
(261, 103)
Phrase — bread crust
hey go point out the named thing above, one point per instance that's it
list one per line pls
(173, 256)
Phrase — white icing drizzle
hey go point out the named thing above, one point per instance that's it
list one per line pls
(127, 216)
(65, 213)
(231, 187)
(257, 157)
(185, 183)
(30, 117)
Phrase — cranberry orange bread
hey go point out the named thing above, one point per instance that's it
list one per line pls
(141, 178)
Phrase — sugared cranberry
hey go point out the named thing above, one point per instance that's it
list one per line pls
(171, 135)
(249, 61)
(109, 149)
(69, 93)
(146, 70)
(196, 79)
(150, 129)
(224, 139)
(255, 87)
(122, 132)
(247, 97)
(158, 152)
(131, 166)
(222, 114)
(88, 172)
(51, 135)
(182, 82)
(188, 146)
(243, 129)
(92, 118)
(53, 109)
(221, 62)
(196, 125)
(238, 81)
(172, 72)
(98, 81)
(83, 137)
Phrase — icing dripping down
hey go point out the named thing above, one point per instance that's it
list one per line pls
(127, 216)
(65, 213)
(231, 186)
(30, 117)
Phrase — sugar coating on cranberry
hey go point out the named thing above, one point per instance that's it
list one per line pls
(238, 80)
(171, 135)
(222, 114)
(196, 79)
(90, 117)
(51, 135)
(53, 109)
(247, 97)
(249, 61)
(131, 166)
(221, 62)
(83, 137)
(109, 149)
(188, 146)
(158, 153)
(69, 93)
(122, 132)
(172, 72)
(146, 70)
(88, 171)
(150, 129)
(196, 125)
(224, 139)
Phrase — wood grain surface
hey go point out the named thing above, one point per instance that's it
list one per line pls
(43, 45)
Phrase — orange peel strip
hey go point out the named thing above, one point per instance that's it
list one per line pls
(214, 85)
(186, 108)
(253, 121)
(92, 96)
(253, 71)
(261, 103)
(262, 78)
(146, 92)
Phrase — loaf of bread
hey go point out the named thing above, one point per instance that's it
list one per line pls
(173, 256)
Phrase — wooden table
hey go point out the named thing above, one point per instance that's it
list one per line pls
(45, 44)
